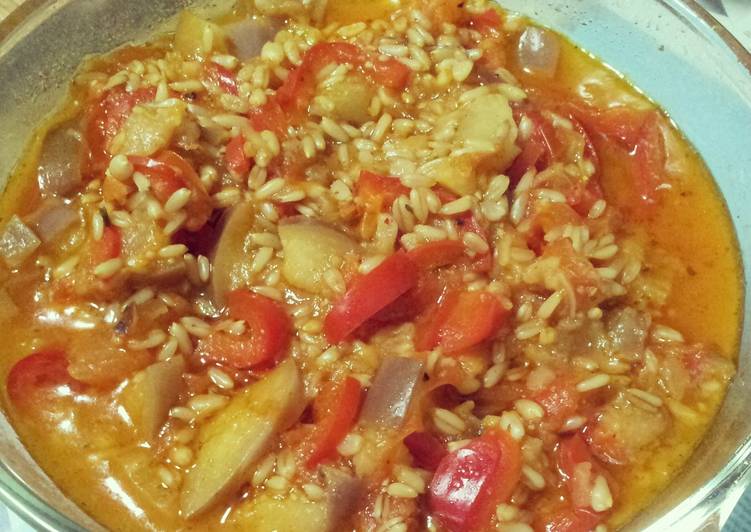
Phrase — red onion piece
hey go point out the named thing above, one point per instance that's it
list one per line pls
(17, 242)
(538, 51)
(51, 219)
(426, 450)
(250, 34)
(389, 398)
(59, 170)
(343, 492)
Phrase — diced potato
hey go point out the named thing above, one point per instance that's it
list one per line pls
(487, 123)
(151, 393)
(241, 434)
(17, 242)
(148, 129)
(455, 173)
(351, 98)
(310, 249)
(231, 261)
(265, 512)
(196, 37)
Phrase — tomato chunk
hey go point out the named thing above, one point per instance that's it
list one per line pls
(168, 173)
(269, 116)
(234, 156)
(568, 520)
(265, 341)
(335, 412)
(470, 482)
(105, 120)
(437, 254)
(369, 294)
(32, 377)
(372, 188)
(108, 247)
(459, 321)
(222, 77)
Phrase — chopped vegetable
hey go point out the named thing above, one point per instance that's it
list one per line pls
(234, 157)
(17, 242)
(151, 393)
(427, 451)
(240, 435)
(105, 120)
(222, 78)
(388, 400)
(196, 37)
(59, 168)
(108, 247)
(267, 334)
(538, 52)
(436, 254)
(487, 124)
(231, 257)
(335, 410)
(460, 320)
(470, 482)
(378, 191)
(148, 129)
(310, 250)
(369, 294)
(350, 99)
(249, 35)
(32, 377)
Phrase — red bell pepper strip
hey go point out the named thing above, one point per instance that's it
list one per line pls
(470, 482)
(437, 254)
(369, 294)
(459, 321)
(32, 377)
(335, 411)
(266, 338)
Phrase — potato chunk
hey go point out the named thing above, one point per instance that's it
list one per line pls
(194, 33)
(151, 393)
(351, 98)
(240, 434)
(148, 129)
(486, 123)
(311, 248)
(231, 261)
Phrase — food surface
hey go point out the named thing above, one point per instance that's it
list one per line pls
(363, 266)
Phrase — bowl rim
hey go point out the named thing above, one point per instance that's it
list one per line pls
(34, 511)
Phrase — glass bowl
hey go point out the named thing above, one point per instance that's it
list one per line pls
(672, 49)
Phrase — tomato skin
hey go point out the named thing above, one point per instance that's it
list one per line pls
(572, 451)
(650, 157)
(560, 400)
(105, 120)
(234, 156)
(335, 410)
(436, 254)
(267, 336)
(459, 321)
(36, 373)
(108, 247)
(470, 482)
(222, 77)
(369, 294)
(485, 22)
(372, 189)
(568, 520)
(168, 173)
(269, 116)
